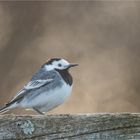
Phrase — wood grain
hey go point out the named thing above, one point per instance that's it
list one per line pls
(122, 126)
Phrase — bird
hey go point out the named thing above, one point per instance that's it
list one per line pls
(48, 88)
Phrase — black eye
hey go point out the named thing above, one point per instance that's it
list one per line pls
(59, 65)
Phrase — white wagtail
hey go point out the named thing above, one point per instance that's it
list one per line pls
(49, 87)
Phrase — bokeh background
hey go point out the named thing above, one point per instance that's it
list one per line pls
(103, 37)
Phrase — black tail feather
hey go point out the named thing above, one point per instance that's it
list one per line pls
(4, 109)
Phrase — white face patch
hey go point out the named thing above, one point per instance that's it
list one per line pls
(60, 64)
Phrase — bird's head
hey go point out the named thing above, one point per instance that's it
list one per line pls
(59, 64)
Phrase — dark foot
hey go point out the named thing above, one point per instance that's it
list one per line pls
(41, 113)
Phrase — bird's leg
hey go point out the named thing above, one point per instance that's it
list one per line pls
(38, 111)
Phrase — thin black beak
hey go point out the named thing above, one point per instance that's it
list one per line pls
(72, 65)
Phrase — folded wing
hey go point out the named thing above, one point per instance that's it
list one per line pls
(30, 86)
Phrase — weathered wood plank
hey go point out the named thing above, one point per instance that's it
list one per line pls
(124, 126)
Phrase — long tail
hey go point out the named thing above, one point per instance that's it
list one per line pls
(4, 109)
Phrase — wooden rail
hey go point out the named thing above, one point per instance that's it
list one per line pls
(124, 126)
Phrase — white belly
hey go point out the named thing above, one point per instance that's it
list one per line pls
(49, 100)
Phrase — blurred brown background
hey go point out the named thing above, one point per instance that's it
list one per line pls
(103, 37)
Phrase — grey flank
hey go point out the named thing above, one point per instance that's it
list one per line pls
(42, 74)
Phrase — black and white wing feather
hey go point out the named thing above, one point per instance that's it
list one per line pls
(37, 84)
(30, 86)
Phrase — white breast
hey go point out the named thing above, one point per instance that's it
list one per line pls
(51, 99)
